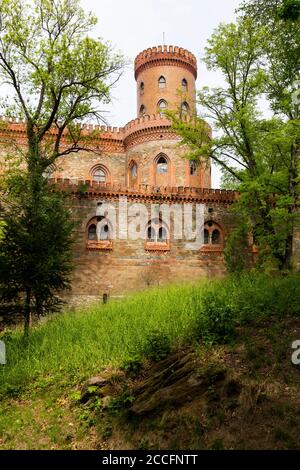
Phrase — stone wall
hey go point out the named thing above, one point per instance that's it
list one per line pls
(129, 267)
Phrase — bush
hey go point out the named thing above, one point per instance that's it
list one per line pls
(215, 323)
(132, 364)
(156, 346)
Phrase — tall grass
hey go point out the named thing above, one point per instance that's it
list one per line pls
(83, 342)
(76, 345)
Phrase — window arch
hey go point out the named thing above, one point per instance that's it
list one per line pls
(184, 84)
(133, 170)
(142, 88)
(162, 105)
(184, 108)
(99, 233)
(212, 235)
(157, 232)
(162, 82)
(142, 110)
(161, 164)
(100, 174)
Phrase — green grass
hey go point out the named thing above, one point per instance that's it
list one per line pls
(81, 343)
(72, 346)
(40, 384)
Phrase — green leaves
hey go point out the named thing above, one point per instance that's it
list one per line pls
(259, 59)
(58, 74)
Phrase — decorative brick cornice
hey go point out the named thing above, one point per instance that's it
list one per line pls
(144, 193)
(165, 55)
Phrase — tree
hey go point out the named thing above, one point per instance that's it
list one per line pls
(58, 76)
(280, 20)
(35, 253)
(254, 153)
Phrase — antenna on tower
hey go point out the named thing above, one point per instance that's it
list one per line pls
(164, 38)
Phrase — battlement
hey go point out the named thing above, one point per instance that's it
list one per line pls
(155, 56)
(143, 121)
(14, 124)
(90, 188)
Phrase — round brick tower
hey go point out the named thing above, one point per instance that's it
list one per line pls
(165, 77)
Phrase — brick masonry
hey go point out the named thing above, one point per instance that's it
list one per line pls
(122, 265)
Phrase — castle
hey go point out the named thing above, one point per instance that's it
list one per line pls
(143, 164)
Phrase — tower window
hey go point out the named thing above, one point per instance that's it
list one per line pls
(162, 165)
(134, 170)
(142, 88)
(184, 108)
(184, 84)
(99, 175)
(162, 104)
(162, 82)
(193, 167)
(142, 110)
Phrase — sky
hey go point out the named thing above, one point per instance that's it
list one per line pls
(134, 25)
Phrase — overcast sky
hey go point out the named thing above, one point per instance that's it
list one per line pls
(135, 25)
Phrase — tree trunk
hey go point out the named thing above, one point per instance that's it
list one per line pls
(287, 262)
(27, 312)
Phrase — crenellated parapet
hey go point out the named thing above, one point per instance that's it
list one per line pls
(165, 55)
(102, 138)
(148, 128)
(144, 192)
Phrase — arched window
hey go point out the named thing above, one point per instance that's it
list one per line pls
(184, 84)
(99, 175)
(92, 235)
(133, 170)
(193, 167)
(162, 82)
(162, 164)
(212, 234)
(142, 110)
(162, 105)
(184, 108)
(157, 231)
(142, 88)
